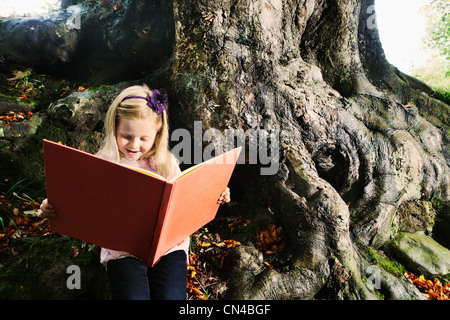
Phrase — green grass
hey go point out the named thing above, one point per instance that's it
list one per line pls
(436, 74)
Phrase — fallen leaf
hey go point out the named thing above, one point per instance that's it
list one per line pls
(74, 252)
(205, 244)
(433, 290)
(116, 6)
(271, 240)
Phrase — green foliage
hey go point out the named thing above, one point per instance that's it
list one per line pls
(439, 27)
(386, 263)
(436, 73)
(38, 90)
(443, 95)
(382, 260)
(439, 205)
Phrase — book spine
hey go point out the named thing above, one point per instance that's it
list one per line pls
(165, 200)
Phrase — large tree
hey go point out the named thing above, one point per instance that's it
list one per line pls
(353, 144)
(356, 139)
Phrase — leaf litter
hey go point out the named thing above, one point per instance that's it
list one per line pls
(19, 218)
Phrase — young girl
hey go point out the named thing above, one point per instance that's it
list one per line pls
(137, 135)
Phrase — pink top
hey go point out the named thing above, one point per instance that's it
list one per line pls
(148, 164)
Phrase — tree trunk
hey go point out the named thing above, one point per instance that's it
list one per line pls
(344, 130)
(351, 149)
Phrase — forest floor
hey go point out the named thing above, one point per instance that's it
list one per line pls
(18, 218)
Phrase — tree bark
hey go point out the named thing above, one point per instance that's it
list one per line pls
(355, 138)
(351, 149)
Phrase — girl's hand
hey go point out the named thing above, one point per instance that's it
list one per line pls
(46, 210)
(224, 197)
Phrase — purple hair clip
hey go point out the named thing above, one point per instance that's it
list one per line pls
(158, 101)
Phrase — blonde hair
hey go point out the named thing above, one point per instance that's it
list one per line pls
(137, 109)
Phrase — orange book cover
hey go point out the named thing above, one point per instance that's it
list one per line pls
(127, 209)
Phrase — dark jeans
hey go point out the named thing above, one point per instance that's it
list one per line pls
(131, 279)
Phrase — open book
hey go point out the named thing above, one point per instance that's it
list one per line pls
(127, 209)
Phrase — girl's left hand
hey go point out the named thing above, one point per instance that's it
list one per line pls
(224, 197)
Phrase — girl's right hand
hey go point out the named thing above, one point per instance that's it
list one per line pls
(46, 210)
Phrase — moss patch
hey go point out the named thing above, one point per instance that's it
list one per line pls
(37, 268)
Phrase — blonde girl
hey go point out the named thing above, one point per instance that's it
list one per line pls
(137, 135)
(139, 103)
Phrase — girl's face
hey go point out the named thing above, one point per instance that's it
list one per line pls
(135, 137)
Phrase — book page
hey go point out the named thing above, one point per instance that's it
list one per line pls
(185, 172)
(194, 200)
(225, 158)
(147, 172)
